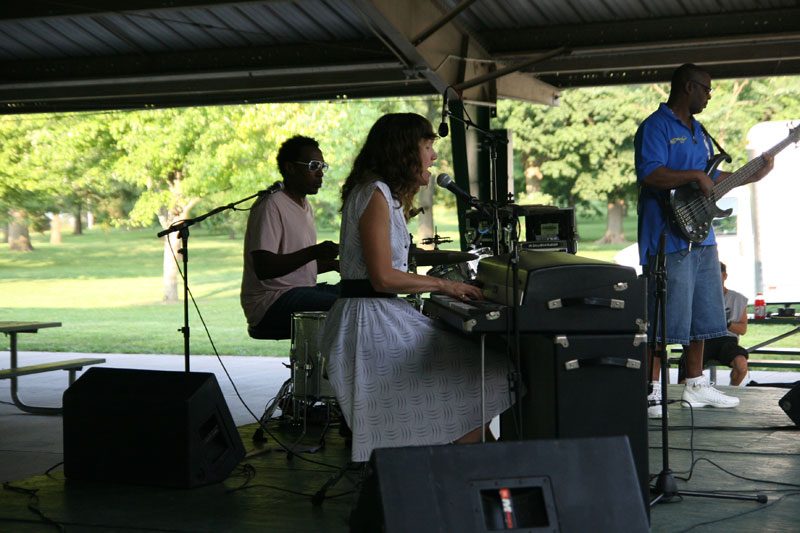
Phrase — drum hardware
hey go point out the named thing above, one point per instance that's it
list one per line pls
(311, 385)
(436, 240)
(308, 366)
(307, 396)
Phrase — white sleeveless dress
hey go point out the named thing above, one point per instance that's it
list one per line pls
(400, 378)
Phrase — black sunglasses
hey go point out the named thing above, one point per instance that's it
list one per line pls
(708, 89)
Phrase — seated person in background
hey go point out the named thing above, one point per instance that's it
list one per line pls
(726, 349)
(281, 254)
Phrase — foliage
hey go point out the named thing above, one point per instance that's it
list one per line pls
(24, 183)
(106, 301)
(581, 150)
(738, 105)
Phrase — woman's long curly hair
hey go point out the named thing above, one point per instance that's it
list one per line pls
(392, 153)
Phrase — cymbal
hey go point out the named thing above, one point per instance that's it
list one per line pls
(439, 257)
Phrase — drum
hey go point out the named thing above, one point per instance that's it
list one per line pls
(308, 366)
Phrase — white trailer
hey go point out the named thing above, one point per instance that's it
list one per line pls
(760, 241)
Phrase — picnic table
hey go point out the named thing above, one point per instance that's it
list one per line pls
(11, 329)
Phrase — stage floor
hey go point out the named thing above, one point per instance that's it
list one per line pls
(756, 443)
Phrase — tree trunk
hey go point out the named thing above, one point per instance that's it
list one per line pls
(170, 268)
(18, 238)
(614, 233)
(425, 200)
(533, 179)
(55, 229)
(77, 229)
(4, 233)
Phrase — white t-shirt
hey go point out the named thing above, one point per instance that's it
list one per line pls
(735, 304)
(276, 224)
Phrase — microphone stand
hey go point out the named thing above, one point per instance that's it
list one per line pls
(665, 488)
(493, 140)
(182, 227)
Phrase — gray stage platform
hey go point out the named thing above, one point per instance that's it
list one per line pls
(756, 443)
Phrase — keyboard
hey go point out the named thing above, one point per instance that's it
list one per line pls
(473, 316)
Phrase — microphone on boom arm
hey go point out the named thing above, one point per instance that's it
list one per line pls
(445, 181)
(443, 128)
(272, 189)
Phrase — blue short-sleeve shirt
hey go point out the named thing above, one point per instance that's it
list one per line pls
(664, 140)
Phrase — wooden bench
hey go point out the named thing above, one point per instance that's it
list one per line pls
(72, 365)
(757, 363)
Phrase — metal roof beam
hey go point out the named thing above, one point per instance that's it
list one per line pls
(398, 22)
(618, 34)
(303, 55)
(651, 74)
(48, 8)
(704, 55)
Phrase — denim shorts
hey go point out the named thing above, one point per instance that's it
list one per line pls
(320, 297)
(695, 309)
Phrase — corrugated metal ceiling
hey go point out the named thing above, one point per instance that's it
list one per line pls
(61, 55)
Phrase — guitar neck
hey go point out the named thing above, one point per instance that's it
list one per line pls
(753, 167)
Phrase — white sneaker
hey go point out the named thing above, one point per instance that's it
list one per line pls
(698, 393)
(654, 401)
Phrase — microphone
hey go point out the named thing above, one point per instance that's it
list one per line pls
(443, 128)
(445, 181)
(272, 189)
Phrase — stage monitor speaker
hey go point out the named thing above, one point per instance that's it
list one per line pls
(148, 427)
(540, 485)
(790, 403)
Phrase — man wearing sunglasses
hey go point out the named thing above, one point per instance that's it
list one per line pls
(673, 149)
(281, 255)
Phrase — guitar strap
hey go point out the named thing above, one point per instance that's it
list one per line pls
(713, 140)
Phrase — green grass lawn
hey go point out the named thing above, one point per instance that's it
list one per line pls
(106, 290)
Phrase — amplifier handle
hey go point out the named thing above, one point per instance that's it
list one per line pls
(611, 303)
(575, 364)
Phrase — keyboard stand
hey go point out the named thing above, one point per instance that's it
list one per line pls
(483, 387)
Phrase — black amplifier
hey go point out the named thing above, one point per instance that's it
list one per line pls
(548, 246)
(565, 293)
(550, 228)
(582, 386)
(546, 227)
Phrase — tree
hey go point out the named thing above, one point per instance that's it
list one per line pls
(582, 151)
(158, 152)
(24, 193)
(79, 156)
(221, 154)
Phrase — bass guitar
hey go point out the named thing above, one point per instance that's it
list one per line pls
(693, 212)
